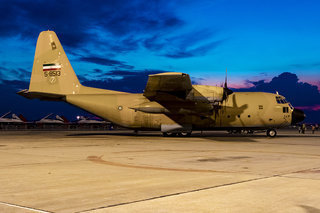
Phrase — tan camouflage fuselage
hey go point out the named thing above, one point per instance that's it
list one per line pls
(241, 109)
(178, 104)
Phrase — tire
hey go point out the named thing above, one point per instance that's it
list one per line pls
(169, 134)
(184, 134)
(271, 133)
(164, 134)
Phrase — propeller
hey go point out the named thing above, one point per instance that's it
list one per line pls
(226, 90)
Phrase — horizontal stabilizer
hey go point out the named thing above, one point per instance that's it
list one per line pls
(40, 95)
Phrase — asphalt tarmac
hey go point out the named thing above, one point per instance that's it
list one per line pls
(117, 171)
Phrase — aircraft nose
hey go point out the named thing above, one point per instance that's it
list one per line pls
(297, 116)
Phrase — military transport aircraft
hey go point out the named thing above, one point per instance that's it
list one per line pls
(170, 102)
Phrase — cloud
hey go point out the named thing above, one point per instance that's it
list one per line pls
(288, 84)
(105, 62)
(301, 94)
(14, 74)
(77, 23)
(313, 108)
(182, 52)
(108, 27)
(195, 43)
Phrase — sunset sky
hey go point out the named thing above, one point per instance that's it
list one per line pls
(110, 43)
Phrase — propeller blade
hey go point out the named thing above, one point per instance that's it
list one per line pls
(226, 79)
(226, 90)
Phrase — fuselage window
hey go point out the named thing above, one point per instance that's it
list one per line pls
(260, 106)
(285, 109)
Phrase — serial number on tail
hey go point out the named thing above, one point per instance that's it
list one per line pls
(51, 73)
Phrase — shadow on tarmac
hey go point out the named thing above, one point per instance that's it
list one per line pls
(214, 135)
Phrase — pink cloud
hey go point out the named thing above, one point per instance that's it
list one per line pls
(313, 108)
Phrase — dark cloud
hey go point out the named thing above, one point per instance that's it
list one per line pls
(106, 62)
(256, 83)
(196, 81)
(107, 26)
(198, 51)
(288, 84)
(140, 16)
(97, 70)
(76, 22)
(298, 93)
(10, 74)
(187, 45)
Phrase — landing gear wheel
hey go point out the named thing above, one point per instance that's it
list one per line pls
(271, 133)
(184, 134)
(169, 134)
(164, 134)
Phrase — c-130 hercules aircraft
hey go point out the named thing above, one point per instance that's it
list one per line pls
(170, 102)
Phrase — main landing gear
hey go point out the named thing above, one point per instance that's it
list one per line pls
(174, 134)
(271, 133)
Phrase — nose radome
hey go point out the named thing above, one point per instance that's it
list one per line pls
(297, 116)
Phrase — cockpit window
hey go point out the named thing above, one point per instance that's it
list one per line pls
(281, 100)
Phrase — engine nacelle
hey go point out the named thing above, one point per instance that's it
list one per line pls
(175, 128)
(150, 107)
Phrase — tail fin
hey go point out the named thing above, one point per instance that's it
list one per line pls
(52, 75)
(52, 72)
(22, 118)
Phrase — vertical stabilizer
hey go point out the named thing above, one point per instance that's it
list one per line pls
(52, 72)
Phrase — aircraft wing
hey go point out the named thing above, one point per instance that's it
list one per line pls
(170, 86)
(175, 93)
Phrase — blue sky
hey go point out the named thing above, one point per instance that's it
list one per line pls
(108, 40)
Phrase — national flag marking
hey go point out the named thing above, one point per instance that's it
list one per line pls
(51, 67)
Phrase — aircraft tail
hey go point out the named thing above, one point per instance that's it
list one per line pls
(52, 71)
(52, 75)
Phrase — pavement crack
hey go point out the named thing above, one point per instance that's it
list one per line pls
(177, 193)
